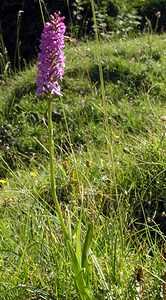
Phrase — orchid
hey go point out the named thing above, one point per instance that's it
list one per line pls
(51, 60)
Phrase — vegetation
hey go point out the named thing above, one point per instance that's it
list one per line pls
(109, 135)
(110, 162)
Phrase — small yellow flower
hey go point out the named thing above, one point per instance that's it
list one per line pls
(3, 181)
(117, 137)
(33, 174)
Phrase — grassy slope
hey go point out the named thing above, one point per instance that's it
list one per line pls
(111, 158)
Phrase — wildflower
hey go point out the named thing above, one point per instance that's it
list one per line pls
(117, 137)
(33, 174)
(3, 181)
(51, 60)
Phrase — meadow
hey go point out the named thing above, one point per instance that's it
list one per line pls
(110, 164)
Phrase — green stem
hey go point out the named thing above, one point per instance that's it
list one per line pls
(52, 178)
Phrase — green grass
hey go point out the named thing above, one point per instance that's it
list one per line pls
(110, 160)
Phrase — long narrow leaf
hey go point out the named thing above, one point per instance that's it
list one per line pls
(73, 258)
(78, 242)
(101, 275)
(69, 225)
(80, 282)
(87, 243)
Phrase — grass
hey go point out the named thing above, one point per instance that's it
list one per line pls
(113, 168)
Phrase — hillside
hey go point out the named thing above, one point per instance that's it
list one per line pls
(110, 160)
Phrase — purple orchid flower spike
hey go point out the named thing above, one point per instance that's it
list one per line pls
(51, 60)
